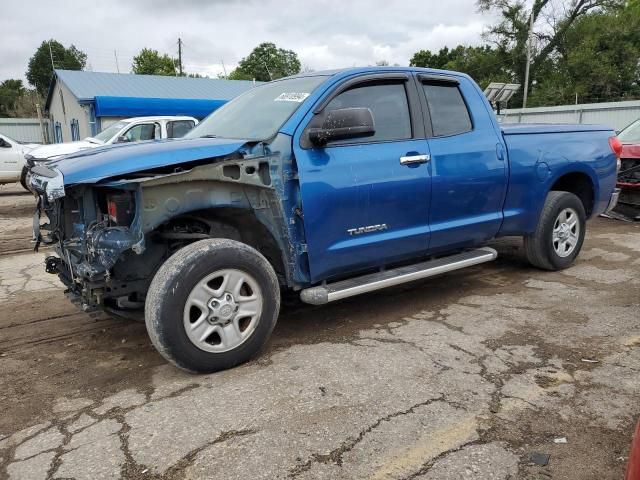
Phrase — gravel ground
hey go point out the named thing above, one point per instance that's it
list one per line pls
(467, 375)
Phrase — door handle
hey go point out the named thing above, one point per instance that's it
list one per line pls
(412, 159)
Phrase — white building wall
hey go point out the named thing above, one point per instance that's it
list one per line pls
(23, 129)
(64, 108)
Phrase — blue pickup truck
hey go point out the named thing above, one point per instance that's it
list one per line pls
(329, 184)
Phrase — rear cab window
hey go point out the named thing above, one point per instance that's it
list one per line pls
(179, 128)
(447, 109)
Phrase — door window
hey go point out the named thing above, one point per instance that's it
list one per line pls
(389, 107)
(179, 128)
(144, 131)
(449, 113)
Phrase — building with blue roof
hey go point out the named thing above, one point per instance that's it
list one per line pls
(80, 103)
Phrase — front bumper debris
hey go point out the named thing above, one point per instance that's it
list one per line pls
(613, 200)
(47, 181)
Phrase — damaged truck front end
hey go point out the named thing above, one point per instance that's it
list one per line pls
(111, 236)
(91, 229)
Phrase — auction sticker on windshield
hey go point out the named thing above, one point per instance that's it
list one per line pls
(291, 97)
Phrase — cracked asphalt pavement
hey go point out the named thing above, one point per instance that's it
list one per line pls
(462, 376)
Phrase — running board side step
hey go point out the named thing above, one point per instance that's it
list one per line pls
(375, 281)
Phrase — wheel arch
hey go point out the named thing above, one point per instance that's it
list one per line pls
(244, 225)
(581, 183)
(253, 212)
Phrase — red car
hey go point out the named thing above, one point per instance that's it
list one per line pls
(633, 467)
(629, 176)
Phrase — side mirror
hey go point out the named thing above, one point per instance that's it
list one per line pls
(122, 139)
(343, 123)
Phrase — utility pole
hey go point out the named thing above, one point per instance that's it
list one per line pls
(526, 71)
(268, 72)
(51, 56)
(223, 68)
(115, 54)
(43, 131)
(180, 56)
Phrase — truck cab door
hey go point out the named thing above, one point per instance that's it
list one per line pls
(468, 163)
(365, 201)
(9, 160)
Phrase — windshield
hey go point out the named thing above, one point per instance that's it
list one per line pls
(631, 134)
(259, 113)
(108, 133)
(9, 139)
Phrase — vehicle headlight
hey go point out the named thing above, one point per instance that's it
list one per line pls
(55, 188)
(48, 180)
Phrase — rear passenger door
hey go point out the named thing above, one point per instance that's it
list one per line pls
(468, 168)
(363, 205)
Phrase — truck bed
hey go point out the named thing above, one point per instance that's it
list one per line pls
(530, 128)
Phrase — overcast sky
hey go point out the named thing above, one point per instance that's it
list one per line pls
(324, 33)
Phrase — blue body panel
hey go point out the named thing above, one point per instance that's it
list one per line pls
(531, 128)
(351, 186)
(537, 161)
(96, 164)
(485, 183)
(470, 173)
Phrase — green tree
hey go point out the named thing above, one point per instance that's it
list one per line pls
(267, 62)
(427, 59)
(150, 62)
(597, 60)
(511, 33)
(16, 100)
(194, 75)
(40, 72)
(10, 91)
(484, 64)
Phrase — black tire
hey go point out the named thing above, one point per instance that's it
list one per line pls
(23, 178)
(539, 247)
(170, 290)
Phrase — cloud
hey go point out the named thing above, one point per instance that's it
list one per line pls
(324, 33)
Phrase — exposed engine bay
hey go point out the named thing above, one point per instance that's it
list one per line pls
(111, 237)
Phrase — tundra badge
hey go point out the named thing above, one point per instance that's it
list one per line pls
(367, 229)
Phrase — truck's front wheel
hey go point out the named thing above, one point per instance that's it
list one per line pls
(23, 178)
(560, 232)
(212, 305)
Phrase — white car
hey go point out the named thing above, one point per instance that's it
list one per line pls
(127, 130)
(12, 163)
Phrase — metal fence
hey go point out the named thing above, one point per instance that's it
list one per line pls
(24, 129)
(614, 114)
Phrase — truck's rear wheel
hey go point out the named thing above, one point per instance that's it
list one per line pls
(560, 232)
(212, 305)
